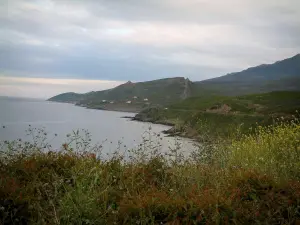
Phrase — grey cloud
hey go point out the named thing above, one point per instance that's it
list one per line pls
(74, 38)
(88, 64)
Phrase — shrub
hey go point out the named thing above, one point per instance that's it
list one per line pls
(252, 179)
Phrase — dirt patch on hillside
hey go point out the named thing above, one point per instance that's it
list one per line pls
(223, 109)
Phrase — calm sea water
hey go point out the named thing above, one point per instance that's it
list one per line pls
(107, 128)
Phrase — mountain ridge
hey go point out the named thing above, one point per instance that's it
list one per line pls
(281, 75)
(132, 96)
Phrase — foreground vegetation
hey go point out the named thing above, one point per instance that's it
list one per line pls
(253, 179)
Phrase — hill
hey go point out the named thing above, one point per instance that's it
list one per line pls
(132, 96)
(281, 75)
(286, 102)
(69, 97)
(222, 115)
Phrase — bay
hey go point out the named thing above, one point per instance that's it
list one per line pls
(107, 128)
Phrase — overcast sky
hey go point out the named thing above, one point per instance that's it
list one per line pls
(53, 46)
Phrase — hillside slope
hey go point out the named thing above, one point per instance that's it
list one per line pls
(69, 97)
(132, 96)
(281, 75)
(222, 115)
(285, 102)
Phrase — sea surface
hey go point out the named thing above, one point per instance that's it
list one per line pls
(107, 129)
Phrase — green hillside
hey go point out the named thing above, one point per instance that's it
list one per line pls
(282, 75)
(158, 91)
(265, 103)
(132, 96)
(220, 115)
(69, 97)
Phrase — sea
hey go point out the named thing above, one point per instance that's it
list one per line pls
(56, 124)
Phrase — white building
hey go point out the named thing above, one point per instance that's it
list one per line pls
(145, 99)
(128, 102)
(135, 97)
(103, 100)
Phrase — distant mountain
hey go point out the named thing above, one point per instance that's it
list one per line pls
(69, 97)
(281, 75)
(132, 96)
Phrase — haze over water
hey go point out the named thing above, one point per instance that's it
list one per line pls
(107, 128)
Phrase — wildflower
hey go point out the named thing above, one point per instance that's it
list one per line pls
(92, 155)
(65, 146)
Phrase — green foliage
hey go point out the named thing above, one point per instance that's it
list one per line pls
(67, 97)
(221, 116)
(163, 91)
(273, 102)
(271, 150)
(252, 179)
(279, 76)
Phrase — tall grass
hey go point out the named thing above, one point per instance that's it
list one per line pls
(253, 179)
(273, 150)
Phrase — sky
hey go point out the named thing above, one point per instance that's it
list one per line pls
(52, 46)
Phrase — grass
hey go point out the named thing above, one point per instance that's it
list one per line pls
(221, 116)
(253, 179)
(265, 103)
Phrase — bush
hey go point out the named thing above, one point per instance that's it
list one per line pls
(273, 150)
(250, 180)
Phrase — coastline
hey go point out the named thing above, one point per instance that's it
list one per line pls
(172, 132)
(116, 109)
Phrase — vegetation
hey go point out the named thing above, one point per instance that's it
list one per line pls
(246, 170)
(69, 97)
(265, 103)
(157, 92)
(254, 179)
(279, 76)
(220, 116)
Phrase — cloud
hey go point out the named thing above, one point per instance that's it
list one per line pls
(45, 87)
(141, 39)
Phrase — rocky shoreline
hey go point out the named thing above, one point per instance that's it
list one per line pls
(172, 132)
(144, 117)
